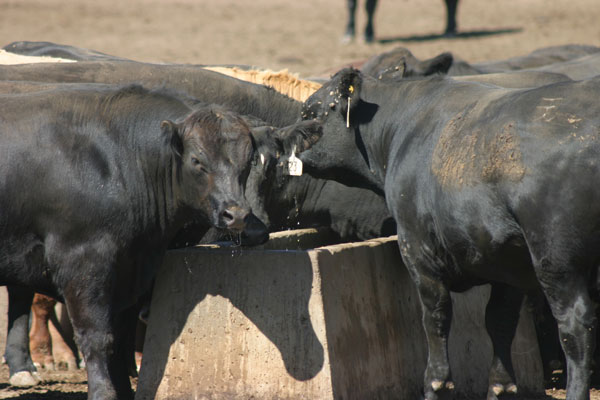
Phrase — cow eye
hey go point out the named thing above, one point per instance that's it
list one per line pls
(198, 166)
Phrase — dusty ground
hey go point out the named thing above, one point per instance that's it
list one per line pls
(302, 36)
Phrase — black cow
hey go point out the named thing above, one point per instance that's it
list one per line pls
(350, 219)
(487, 185)
(49, 49)
(242, 97)
(401, 63)
(579, 68)
(283, 202)
(94, 184)
(370, 5)
(544, 56)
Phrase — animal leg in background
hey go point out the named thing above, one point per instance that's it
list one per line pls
(351, 24)
(22, 370)
(369, 29)
(40, 342)
(451, 6)
(64, 349)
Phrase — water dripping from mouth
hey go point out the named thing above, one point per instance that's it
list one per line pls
(236, 242)
(236, 239)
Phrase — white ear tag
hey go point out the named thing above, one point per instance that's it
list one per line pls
(294, 164)
(262, 158)
(348, 114)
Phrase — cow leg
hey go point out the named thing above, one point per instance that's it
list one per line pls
(127, 335)
(436, 306)
(40, 343)
(18, 358)
(140, 334)
(501, 319)
(97, 337)
(437, 314)
(575, 314)
(451, 6)
(349, 34)
(65, 327)
(369, 29)
(63, 353)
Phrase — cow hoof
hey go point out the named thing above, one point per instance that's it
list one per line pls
(48, 366)
(497, 389)
(440, 390)
(347, 39)
(138, 360)
(67, 365)
(24, 379)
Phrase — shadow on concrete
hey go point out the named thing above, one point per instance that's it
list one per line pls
(273, 295)
(476, 34)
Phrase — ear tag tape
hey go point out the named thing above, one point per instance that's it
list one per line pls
(348, 114)
(351, 90)
(294, 164)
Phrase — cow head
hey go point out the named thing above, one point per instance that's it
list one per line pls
(341, 153)
(400, 63)
(213, 150)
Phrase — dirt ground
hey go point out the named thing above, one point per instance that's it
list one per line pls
(302, 36)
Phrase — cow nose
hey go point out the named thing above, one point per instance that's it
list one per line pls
(234, 217)
(255, 231)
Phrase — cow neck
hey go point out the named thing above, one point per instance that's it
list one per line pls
(400, 106)
(155, 195)
(267, 104)
(377, 134)
(245, 98)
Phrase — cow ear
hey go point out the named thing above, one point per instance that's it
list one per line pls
(272, 142)
(265, 142)
(300, 137)
(172, 132)
(395, 72)
(350, 84)
(349, 87)
(439, 64)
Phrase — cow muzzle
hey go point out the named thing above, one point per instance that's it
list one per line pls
(255, 232)
(252, 231)
(233, 218)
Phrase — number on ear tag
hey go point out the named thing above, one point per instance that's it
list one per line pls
(294, 164)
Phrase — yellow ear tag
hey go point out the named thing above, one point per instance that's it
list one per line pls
(351, 89)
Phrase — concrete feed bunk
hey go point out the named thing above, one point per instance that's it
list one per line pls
(340, 321)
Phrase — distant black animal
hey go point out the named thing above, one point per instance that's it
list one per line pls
(401, 63)
(370, 5)
(543, 59)
(94, 184)
(487, 185)
(49, 49)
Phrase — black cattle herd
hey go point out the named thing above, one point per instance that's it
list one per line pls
(487, 173)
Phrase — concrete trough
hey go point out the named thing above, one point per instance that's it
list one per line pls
(304, 322)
